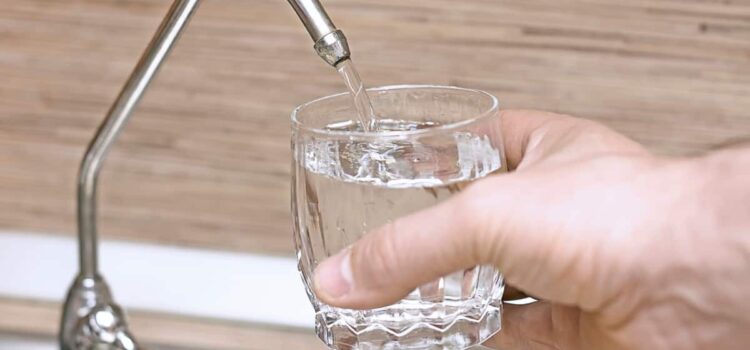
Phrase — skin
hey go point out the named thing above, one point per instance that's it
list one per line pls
(628, 250)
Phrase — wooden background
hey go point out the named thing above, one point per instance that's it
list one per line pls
(205, 160)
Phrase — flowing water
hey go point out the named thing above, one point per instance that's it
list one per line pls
(365, 112)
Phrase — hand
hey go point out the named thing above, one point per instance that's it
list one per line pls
(628, 250)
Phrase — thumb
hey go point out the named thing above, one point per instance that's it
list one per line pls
(388, 263)
(494, 221)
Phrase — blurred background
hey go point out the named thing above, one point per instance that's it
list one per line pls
(194, 211)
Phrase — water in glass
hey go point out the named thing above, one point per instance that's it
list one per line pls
(356, 88)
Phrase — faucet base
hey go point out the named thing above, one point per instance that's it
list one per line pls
(91, 320)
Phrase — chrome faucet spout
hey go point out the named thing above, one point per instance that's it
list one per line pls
(330, 42)
(314, 17)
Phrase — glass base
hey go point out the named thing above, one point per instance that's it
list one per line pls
(460, 334)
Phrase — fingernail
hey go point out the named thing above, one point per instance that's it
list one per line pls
(333, 277)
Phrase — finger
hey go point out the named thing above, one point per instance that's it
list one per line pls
(518, 126)
(529, 136)
(538, 326)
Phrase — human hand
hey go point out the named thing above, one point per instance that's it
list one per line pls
(627, 250)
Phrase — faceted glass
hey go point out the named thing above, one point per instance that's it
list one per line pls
(429, 143)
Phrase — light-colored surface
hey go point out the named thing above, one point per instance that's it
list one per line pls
(15, 342)
(28, 319)
(194, 286)
(170, 280)
(205, 161)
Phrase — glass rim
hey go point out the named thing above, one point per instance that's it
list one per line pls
(490, 111)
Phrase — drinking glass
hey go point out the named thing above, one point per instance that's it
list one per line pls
(428, 143)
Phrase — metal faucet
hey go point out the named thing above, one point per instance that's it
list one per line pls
(91, 319)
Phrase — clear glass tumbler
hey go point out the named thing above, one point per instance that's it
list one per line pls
(429, 143)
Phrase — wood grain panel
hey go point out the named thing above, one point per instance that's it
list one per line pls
(205, 161)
